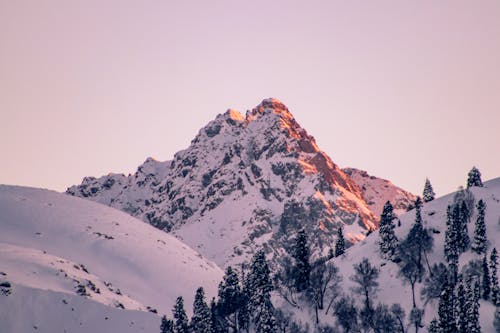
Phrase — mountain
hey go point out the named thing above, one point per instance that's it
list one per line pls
(69, 264)
(246, 182)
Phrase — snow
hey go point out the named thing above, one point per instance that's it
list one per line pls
(391, 289)
(225, 195)
(51, 242)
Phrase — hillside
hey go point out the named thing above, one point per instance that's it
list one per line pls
(246, 182)
(391, 288)
(79, 266)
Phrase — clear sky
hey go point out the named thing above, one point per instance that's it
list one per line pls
(402, 89)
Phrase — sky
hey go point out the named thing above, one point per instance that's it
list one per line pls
(403, 89)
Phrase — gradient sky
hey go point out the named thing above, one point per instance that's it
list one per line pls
(402, 89)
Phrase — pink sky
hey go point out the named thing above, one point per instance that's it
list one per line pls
(402, 89)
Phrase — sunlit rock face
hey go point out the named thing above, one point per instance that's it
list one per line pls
(245, 182)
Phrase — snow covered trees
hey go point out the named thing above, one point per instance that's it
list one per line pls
(167, 325)
(497, 320)
(428, 193)
(230, 298)
(180, 317)
(200, 321)
(340, 244)
(259, 286)
(473, 308)
(474, 178)
(302, 267)
(388, 241)
(479, 244)
(495, 290)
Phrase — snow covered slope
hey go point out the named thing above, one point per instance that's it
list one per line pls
(77, 265)
(245, 182)
(434, 216)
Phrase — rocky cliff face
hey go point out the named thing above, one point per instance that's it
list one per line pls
(246, 182)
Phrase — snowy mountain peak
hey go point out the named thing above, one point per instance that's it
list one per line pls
(244, 183)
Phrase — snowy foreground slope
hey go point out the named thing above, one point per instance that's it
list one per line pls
(391, 288)
(77, 266)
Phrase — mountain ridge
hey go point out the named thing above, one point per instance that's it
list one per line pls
(253, 179)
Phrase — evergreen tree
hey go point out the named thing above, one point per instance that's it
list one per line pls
(485, 280)
(388, 241)
(480, 240)
(167, 325)
(428, 194)
(434, 327)
(474, 178)
(230, 298)
(301, 255)
(180, 317)
(473, 308)
(461, 311)
(446, 311)
(259, 287)
(451, 251)
(340, 244)
(366, 276)
(496, 321)
(464, 219)
(218, 324)
(495, 290)
(201, 320)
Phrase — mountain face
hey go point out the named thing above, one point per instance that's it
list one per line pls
(377, 192)
(245, 182)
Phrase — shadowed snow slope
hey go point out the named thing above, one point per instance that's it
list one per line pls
(72, 263)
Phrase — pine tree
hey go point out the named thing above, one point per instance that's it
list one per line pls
(388, 241)
(480, 240)
(167, 325)
(259, 286)
(474, 178)
(180, 317)
(340, 244)
(473, 308)
(428, 193)
(451, 251)
(201, 319)
(434, 326)
(495, 290)
(302, 265)
(464, 219)
(230, 298)
(485, 280)
(461, 303)
(446, 311)
(218, 324)
(496, 321)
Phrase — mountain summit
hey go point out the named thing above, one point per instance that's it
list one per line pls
(247, 182)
